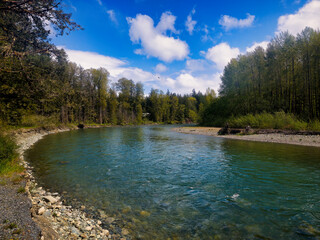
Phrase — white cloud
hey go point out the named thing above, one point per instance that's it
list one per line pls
(160, 68)
(153, 40)
(186, 82)
(263, 44)
(116, 67)
(221, 54)
(194, 65)
(49, 27)
(100, 3)
(307, 16)
(112, 16)
(190, 24)
(166, 23)
(229, 22)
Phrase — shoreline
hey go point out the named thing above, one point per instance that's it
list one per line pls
(302, 140)
(56, 219)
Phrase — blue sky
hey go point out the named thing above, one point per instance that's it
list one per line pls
(178, 45)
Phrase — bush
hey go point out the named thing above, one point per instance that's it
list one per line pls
(314, 125)
(7, 149)
(38, 121)
(8, 155)
(278, 120)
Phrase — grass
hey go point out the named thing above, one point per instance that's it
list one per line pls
(21, 190)
(11, 226)
(278, 120)
(9, 158)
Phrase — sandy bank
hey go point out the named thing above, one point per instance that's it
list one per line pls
(304, 140)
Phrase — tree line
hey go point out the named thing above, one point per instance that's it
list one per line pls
(37, 80)
(284, 77)
(68, 93)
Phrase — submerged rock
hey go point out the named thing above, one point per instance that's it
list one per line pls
(144, 213)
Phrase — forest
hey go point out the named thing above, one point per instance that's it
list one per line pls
(284, 78)
(40, 86)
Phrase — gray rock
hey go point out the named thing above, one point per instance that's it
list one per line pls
(50, 199)
(75, 231)
(47, 213)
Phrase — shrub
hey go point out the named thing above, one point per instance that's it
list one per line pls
(8, 156)
(278, 120)
(7, 149)
(39, 121)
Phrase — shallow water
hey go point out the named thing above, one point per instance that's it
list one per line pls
(162, 184)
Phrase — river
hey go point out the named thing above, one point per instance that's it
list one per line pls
(161, 184)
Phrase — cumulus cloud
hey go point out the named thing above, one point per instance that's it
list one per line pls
(221, 54)
(166, 23)
(307, 16)
(186, 82)
(229, 22)
(154, 41)
(190, 24)
(195, 65)
(160, 68)
(263, 44)
(112, 16)
(116, 67)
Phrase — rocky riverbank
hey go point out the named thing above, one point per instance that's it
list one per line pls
(55, 219)
(304, 140)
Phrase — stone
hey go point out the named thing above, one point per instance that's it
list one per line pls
(47, 213)
(50, 199)
(75, 231)
(88, 228)
(105, 232)
(125, 231)
(110, 220)
(83, 207)
(41, 210)
(99, 222)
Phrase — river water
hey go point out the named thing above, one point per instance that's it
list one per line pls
(161, 184)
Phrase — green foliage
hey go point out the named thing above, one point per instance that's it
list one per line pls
(39, 121)
(21, 190)
(278, 120)
(8, 149)
(314, 125)
(23, 27)
(282, 79)
(139, 113)
(8, 156)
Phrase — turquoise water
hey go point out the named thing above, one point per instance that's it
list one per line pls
(161, 184)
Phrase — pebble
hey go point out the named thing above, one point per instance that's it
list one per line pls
(88, 228)
(41, 210)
